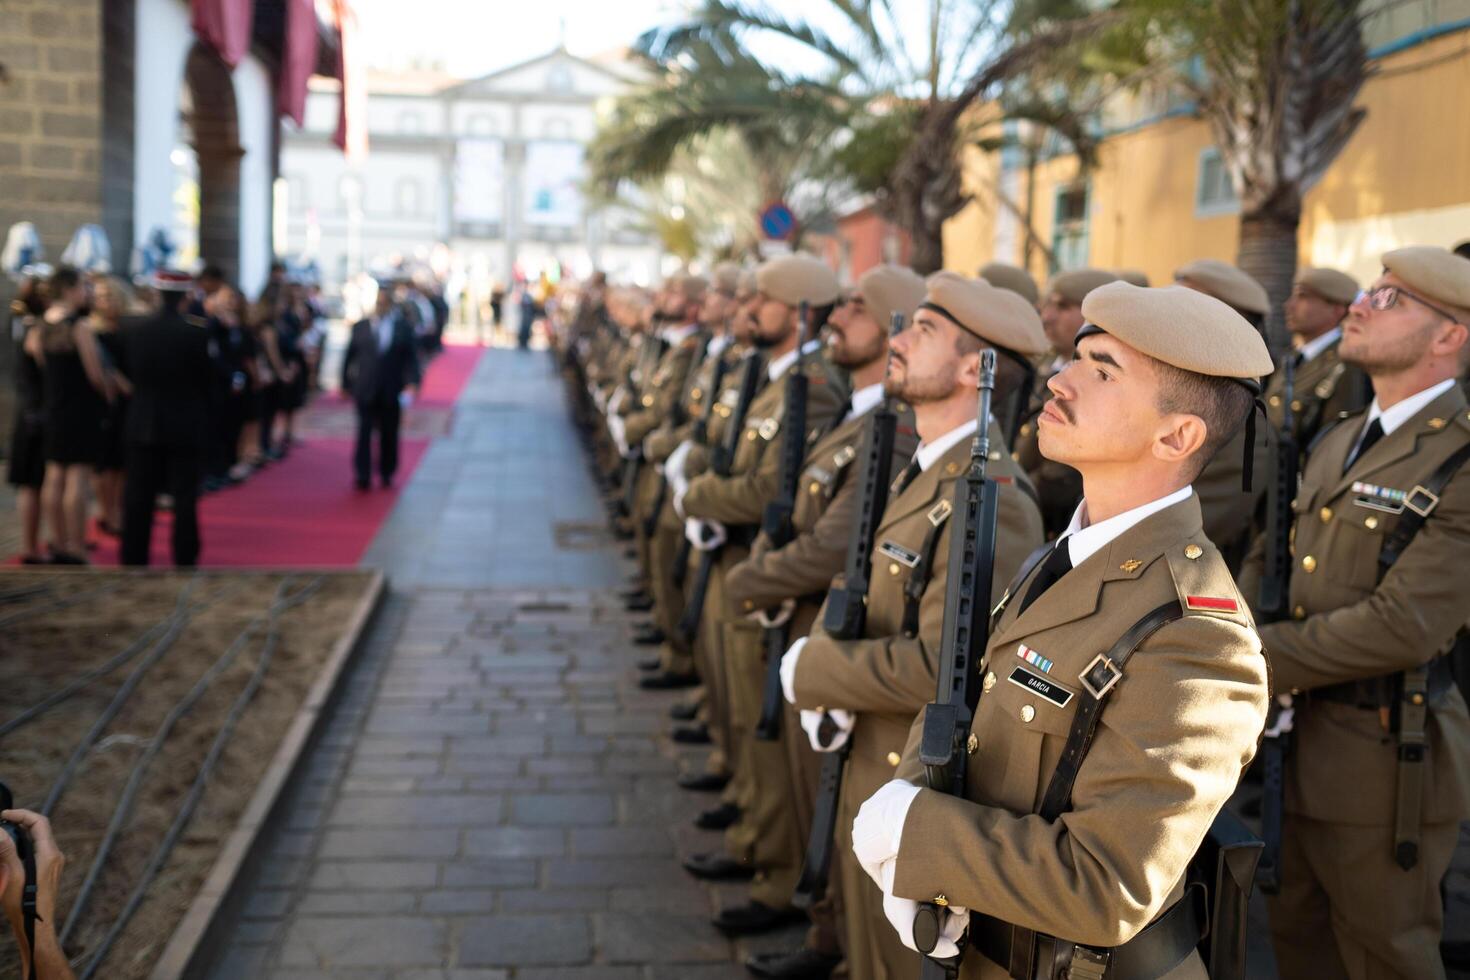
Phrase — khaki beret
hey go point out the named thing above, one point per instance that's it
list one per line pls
(1226, 283)
(725, 277)
(1136, 277)
(1073, 285)
(798, 278)
(1005, 276)
(745, 284)
(890, 289)
(1437, 274)
(995, 315)
(691, 287)
(1331, 285)
(1189, 329)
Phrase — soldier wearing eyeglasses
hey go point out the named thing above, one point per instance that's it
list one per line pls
(1378, 779)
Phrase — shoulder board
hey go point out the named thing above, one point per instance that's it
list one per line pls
(1203, 582)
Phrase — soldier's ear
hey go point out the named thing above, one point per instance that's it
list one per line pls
(1180, 436)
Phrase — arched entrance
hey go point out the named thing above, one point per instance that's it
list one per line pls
(208, 156)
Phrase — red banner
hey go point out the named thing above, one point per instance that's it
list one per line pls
(351, 135)
(224, 25)
(298, 59)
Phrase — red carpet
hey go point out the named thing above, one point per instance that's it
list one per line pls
(304, 510)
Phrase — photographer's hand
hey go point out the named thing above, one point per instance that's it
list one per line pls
(51, 963)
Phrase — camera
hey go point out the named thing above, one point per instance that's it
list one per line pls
(22, 842)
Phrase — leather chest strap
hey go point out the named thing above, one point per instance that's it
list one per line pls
(1098, 681)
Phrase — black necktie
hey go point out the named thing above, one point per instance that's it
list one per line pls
(1298, 359)
(1057, 564)
(1372, 434)
(907, 476)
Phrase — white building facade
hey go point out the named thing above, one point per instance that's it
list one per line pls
(482, 179)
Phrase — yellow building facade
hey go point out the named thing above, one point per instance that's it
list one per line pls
(1159, 197)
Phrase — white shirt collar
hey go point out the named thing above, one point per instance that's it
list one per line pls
(1317, 345)
(864, 400)
(718, 344)
(1392, 418)
(676, 335)
(778, 367)
(1089, 540)
(928, 453)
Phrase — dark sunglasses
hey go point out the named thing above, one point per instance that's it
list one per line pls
(1387, 297)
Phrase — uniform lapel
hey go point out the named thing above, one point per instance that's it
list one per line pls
(1127, 556)
(1402, 441)
(928, 485)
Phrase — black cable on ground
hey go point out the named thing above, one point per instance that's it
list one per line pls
(280, 602)
(190, 802)
(102, 670)
(125, 691)
(62, 603)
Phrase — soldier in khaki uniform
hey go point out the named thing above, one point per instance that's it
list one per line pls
(1348, 907)
(874, 686)
(729, 509)
(1230, 509)
(791, 582)
(1032, 872)
(1323, 385)
(1058, 485)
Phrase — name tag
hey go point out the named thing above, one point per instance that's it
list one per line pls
(1043, 686)
(899, 553)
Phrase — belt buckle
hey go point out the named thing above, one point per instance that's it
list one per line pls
(1088, 963)
(1114, 675)
(1420, 493)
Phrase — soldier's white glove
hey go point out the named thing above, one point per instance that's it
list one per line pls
(615, 402)
(842, 721)
(901, 912)
(680, 489)
(599, 397)
(674, 465)
(877, 830)
(704, 535)
(1279, 716)
(617, 426)
(788, 669)
(770, 619)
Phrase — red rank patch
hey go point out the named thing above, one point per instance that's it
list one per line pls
(1212, 603)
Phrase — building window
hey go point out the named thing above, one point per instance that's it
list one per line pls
(1214, 194)
(408, 196)
(410, 123)
(559, 79)
(1069, 228)
(480, 124)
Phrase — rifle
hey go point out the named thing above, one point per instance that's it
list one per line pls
(700, 437)
(678, 415)
(720, 461)
(946, 728)
(845, 618)
(1272, 605)
(776, 520)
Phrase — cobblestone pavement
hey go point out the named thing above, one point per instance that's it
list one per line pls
(493, 796)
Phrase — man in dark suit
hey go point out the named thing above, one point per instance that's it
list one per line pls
(166, 358)
(381, 365)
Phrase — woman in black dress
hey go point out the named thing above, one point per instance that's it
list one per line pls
(110, 302)
(75, 384)
(289, 330)
(26, 470)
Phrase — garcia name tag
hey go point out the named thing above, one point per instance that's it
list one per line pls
(1043, 686)
(899, 553)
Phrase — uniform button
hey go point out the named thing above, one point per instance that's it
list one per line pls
(1275, 401)
(989, 680)
(1026, 429)
(893, 568)
(1298, 613)
(1296, 405)
(749, 605)
(1309, 564)
(1325, 514)
(1370, 522)
(893, 758)
(1016, 457)
(972, 743)
(815, 488)
(1193, 551)
(695, 394)
(751, 435)
(1027, 713)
